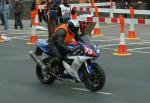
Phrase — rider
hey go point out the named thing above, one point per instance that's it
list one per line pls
(64, 34)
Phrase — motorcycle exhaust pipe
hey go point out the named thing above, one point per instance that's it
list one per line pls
(37, 60)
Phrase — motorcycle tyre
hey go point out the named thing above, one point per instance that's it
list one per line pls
(101, 82)
(50, 80)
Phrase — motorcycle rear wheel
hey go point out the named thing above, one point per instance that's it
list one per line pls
(39, 74)
(96, 80)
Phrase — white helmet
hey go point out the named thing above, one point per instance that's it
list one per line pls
(73, 26)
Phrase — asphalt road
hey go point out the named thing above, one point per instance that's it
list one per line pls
(127, 78)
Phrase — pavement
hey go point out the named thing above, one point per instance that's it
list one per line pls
(127, 78)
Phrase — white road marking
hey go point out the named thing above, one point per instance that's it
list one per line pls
(20, 38)
(108, 26)
(143, 52)
(133, 50)
(145, 33)
(106, 40)
(109, 37)
(25, 36)
(86, 90)
(29, 32)
(106, 48)
(139, 48)
(127, 44)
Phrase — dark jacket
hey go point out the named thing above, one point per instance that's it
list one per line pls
(18, 6)
(59, 41)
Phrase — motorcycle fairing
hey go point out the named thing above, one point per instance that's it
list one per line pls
(43, 45)
(74, 67)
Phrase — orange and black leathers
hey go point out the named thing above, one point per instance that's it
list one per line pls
(58, 43)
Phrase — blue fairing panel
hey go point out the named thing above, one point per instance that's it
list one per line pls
(43, 45)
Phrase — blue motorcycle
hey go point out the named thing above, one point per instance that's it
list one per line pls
(79, 66)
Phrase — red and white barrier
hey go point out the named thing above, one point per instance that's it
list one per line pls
(107, 10)
(89, 4)
(114, 20)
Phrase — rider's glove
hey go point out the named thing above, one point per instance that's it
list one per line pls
(75, 50)
(72, 50)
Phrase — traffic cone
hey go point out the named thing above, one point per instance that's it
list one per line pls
(131, 32)
(1, 39)
(33, 38)
(37, 24)
(111, 15)
(97, 31)
(122, 48)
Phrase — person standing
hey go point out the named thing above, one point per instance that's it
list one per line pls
(41, 12)
(65, 12)
(5, 13)
(52, 9)
(18, 8)
(126, 4)
(1, 16)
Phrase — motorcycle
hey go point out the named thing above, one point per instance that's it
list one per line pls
(79, 66)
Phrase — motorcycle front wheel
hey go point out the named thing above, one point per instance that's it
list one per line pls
(96, 79)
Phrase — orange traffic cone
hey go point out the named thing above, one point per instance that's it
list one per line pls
(97, 31)
(122, 48)
(33, 37)
(1, 39)
(131, 32)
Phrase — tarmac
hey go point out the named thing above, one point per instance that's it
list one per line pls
(127, 77)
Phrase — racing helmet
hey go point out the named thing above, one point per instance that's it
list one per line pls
(73, 26)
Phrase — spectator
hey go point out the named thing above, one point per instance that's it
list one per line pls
(41, 12)
(52, 8)
(18, 13)
(33, 4)
(64, 12)
(126, 4)
(5, 13)
(1, 16)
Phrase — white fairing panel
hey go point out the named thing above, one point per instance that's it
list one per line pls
(73, 69)
(72, 72)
